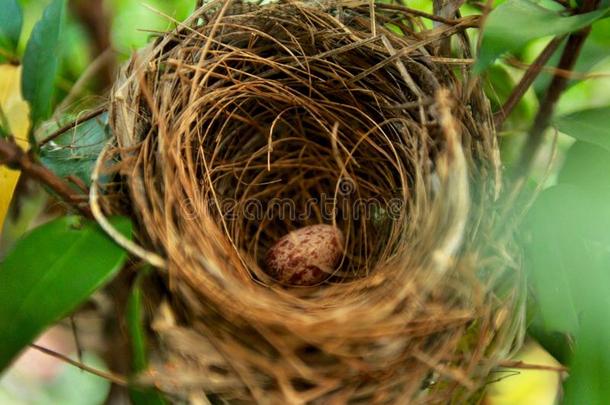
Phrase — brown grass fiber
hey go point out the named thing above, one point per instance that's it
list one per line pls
(347, 101)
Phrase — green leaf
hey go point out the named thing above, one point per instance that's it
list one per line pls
(139, 348)
(4, 126)
(592, 126)
(549, 274)
(135, 325)
(587, 166)
(49, 273)
(558, 344)
(40, 62)
(146, 397)
(11, 20)
(590, 365)
(567, 255)
(563, 227)
(516, 22)
(76, 151)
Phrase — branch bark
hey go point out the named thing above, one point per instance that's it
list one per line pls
(568, 59)
(13, 156)
(526, 81)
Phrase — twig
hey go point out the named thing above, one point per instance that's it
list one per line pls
(13, 156)
(527, 366)
(568, 74)
(112, 377)
(78, 182)
(448, 9)
(10, 57)
(79, 348)
(419, 13)
(72, 125)
(526, 81)
(558, 84)
(372, 14)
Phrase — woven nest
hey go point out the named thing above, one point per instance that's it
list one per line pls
(246, 105)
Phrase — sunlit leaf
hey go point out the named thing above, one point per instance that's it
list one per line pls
(16, 112)
(526, 387)
(40, 61)
(11, 20)
(49, 273)
(592, 126)
(514, 23)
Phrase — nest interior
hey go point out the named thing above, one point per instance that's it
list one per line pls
(248, 121)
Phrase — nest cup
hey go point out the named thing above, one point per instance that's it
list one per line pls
(249, 121)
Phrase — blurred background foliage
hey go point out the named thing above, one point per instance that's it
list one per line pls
(565, 236)
(128, 25)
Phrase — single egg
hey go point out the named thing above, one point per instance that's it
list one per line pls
(306, 256)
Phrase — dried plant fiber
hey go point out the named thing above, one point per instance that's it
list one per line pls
(295, 102)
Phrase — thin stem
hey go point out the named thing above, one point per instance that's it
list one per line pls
(79, 348)
(72, 125)
(526, 81)
(432, 17)
(528, 366)
(112, 377)
(10, 57)
(568, 74)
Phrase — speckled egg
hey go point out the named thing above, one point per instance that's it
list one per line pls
(306, 256)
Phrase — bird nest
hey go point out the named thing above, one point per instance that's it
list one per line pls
(247, 122)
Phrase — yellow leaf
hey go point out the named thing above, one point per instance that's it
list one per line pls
(527, 387)
(17, 112)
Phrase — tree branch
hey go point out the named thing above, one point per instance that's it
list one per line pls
(526, 81)
(13, 156)
(568, 59)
